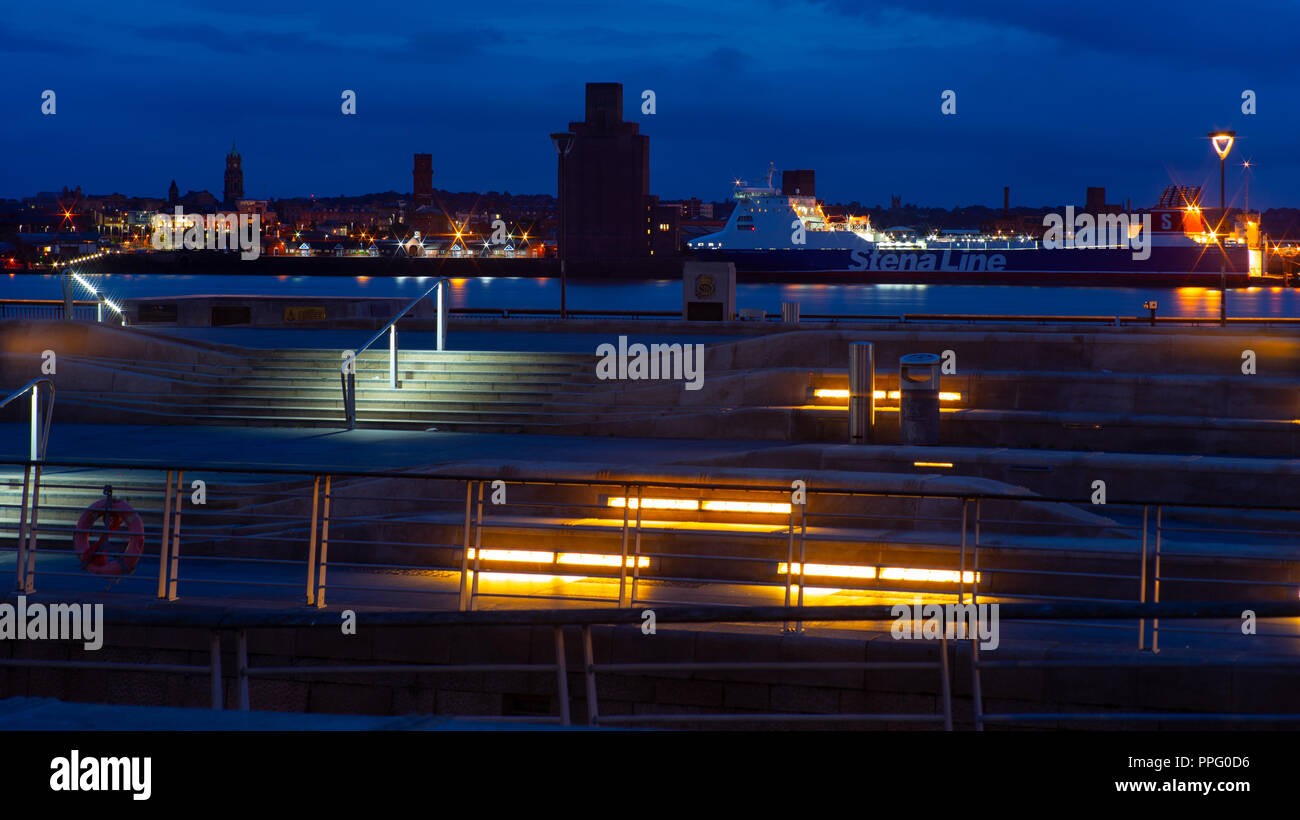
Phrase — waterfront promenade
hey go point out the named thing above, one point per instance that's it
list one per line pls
(1198, 458)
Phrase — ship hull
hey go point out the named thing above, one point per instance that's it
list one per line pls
(1165, 265)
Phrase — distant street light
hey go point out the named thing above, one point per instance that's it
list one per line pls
(1222, 142)
(563, 142)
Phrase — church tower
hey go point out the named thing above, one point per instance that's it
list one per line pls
(234, 178)
(173, 194)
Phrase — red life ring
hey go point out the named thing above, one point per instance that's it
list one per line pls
(119, 514)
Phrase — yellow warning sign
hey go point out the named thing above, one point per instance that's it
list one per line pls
(304, 314)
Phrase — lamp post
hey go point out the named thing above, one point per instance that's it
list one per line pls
(1222, 142)
(563, 142)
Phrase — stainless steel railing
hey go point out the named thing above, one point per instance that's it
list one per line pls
(397, 539)
(42, 415)
(348, 370)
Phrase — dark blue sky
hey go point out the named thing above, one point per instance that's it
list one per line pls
(1049, 100)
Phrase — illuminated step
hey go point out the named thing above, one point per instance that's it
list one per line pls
(707, 505)
(588, 559)
(937, 576)
(829, 393)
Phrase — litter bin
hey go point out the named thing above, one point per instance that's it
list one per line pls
(918, 402)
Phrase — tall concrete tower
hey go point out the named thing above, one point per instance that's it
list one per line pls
(606, 181)
(234, 178)
(422, 190)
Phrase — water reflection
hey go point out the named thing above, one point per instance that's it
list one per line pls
(882, 299)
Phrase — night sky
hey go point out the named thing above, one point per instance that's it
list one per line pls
(1049, 100)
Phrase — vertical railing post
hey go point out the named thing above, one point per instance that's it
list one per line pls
(324, 545)
(1142, 584)
(975, 559)
(1155, 622)
(29, 579)
(241, 668)
(589, 669)
(174, 552)
(803, 558)
(166, 537)
(945, 684)
(561, 674)
(392, 356)
(789, 566)
(34, 450)
(622, 560)
(214, 668)
(311, 542)
(348, 381)
(636, 548)
(442, 316)
(961, 569)
(20, 565)
(977, 685)
(463, 597)
(478, 547)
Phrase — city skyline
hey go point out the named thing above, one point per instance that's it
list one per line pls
(1043, 104)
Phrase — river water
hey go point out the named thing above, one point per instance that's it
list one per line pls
(519, 293)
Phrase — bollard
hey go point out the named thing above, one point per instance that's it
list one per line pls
(790, 312)
(918, 403)
(862, 392)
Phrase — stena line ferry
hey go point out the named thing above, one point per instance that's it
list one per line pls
(771, 233)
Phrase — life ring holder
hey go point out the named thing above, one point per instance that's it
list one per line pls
(116, 514)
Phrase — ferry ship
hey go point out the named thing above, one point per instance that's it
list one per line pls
(771, 232)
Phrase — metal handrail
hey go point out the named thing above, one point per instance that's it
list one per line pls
(657, 483)
(27, 515)
(400, 314)
(347, 371)
(40, 422)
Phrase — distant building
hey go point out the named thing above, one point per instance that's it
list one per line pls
(693, 208)
(173, 194)
(261, 207)
(665, 226)
(606, 182)
(798, 183)
(234, 190)
(1095, 202)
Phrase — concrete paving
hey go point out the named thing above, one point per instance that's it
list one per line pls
(344, 449)
(51, 715)
(344, 338)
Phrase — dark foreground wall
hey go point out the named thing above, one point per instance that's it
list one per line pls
(1252, 689)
